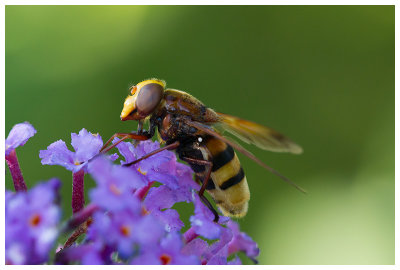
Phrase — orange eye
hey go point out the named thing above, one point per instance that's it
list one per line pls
(133, 89)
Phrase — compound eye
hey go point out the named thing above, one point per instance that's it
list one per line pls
(133, 89)
(148, 98)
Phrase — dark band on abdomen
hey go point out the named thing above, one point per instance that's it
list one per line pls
(223, 158)
(233, 180)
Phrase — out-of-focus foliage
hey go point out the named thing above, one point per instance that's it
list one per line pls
(323, 75)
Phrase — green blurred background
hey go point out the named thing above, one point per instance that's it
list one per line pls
(323, 75)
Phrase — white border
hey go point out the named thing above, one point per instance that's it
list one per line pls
(204, 2)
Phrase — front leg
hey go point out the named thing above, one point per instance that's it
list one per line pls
(140, 137)
(140, 127)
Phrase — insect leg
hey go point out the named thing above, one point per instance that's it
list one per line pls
(205, 183)
(139, 131)
(140, 126)
(135, 136)
(167, 147)
(208, 204)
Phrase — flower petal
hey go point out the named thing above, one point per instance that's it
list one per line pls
(57, 153)
(170, 219)
(115, 185)
(242, 242)
(202, 221)
(86, 144)
(18, 136)
(32, 224)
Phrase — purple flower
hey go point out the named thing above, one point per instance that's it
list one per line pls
(115, 185)
(169, 251)
(202, 220)
(124, 225)
(197, 247)
(18, 136)
(85, 144)
(124, 230)
(217, 253)
(31, 223)
(128, 220)
(164, 168)
(160, 167)
(230, 241)
(159, 200)
(242, 242)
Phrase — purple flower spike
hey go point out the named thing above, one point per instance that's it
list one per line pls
(31, 224)
(18, 136)
(86, 146)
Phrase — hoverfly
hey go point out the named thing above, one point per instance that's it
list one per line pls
(187, 126)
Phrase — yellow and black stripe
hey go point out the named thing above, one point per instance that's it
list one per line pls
(227, 184)
(230, 192)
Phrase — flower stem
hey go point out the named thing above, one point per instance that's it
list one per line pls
(80, 217)
(141, 193)
(78, 196)
(80, 222)
(13, 165)
(189, 235)
(78, 232)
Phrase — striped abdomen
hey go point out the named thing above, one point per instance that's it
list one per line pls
(228, 185)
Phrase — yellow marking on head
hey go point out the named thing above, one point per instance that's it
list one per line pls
(130, 101)
(129, 106)
(153, 80)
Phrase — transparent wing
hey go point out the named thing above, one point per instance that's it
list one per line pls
(209, 130)
(261, 136)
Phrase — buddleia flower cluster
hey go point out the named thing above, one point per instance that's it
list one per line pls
(128, 217)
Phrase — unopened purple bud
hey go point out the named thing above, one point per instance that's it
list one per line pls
(18, 136)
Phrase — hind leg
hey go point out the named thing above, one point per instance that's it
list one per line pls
(209, 165)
